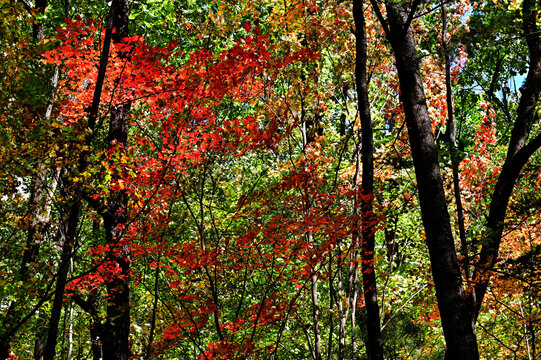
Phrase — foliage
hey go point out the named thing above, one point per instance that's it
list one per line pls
(241, 173)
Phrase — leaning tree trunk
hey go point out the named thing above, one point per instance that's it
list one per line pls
(455, 314)
(518, 154)
(68, 231)
(450, 137)
(67, 234)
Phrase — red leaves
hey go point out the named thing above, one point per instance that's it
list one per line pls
(105, 272)
(179, 128)
(301, 55)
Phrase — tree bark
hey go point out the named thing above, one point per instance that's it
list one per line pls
(450, 136)
(315, 308)
(38, 31)
(518, 154)
(374, 339)
(68, 235)
(455, 314)
(116, 330)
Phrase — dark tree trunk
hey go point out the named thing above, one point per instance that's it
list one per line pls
(450, 136)
(4, 350)
(116, 329)
(456, 316)
(67, 234)
(518, 154)
(69, 229)
(374, 339)
(38, 32)
(95, 342)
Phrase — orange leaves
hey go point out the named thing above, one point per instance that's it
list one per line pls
(479, 171)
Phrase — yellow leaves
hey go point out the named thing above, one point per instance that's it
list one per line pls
(515, 5)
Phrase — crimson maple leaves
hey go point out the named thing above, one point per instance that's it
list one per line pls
(178, 140)
(220, 197)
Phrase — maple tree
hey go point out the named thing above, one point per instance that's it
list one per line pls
(275, 179)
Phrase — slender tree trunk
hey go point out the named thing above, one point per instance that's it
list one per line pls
(148, 351)
(450, 136)
(67, 234)
(343, 312)
(331, 321)
(309, 136)
(70, 323)
(455, 314)
(315, 310)
(39, 205)
(354, 297)
(69, 228)
(116, 330)
(374, 339)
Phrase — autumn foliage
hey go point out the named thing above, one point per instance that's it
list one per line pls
(208, 196)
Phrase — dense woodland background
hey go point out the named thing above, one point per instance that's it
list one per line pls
(293, 179)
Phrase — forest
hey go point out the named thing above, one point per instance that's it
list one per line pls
(273, 179)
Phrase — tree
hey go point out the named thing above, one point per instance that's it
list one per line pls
(458, 311)
(519, 151)
(233, 180)
(455, 315)
(375, 341)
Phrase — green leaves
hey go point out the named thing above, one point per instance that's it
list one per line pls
(240, 175)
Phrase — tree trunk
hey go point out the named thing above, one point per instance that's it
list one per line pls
(374, 339)
(4, 350)
(450, 136)
(315, 308)
(116, 330)
(39, 205)
(345, 299)
(94, 342)
(38, 32)
(518, 155)
(67, 234)
(456, 316)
